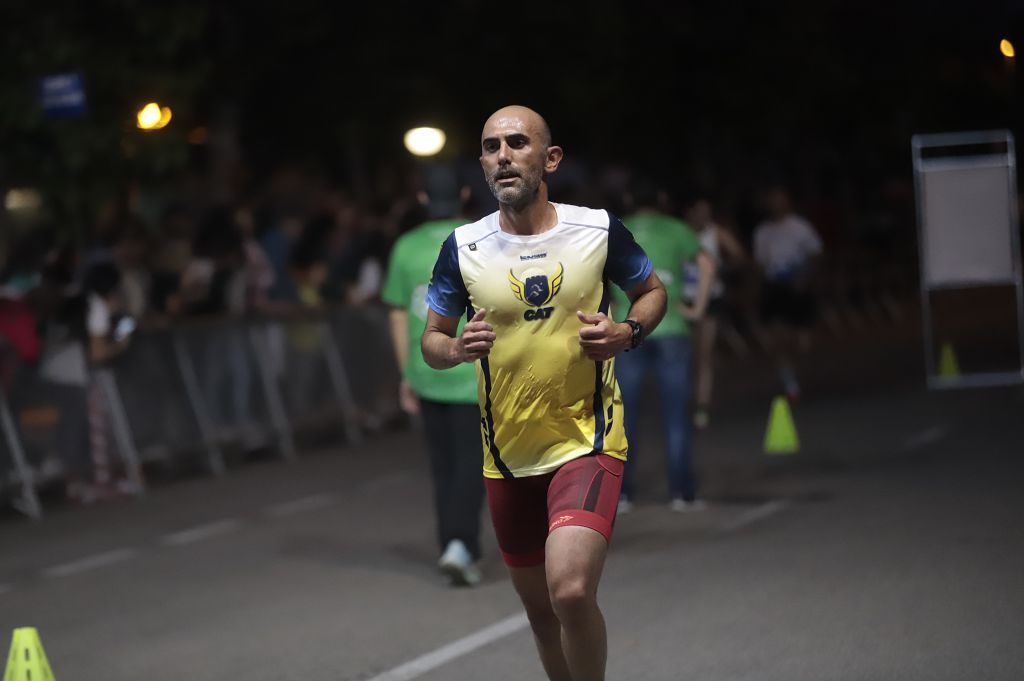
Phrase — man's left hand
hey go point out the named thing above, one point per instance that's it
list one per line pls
(602, 338)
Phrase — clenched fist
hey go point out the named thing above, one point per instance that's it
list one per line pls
(476, 339)
(601, 337)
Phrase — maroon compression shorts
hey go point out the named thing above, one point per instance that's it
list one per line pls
(583, 492)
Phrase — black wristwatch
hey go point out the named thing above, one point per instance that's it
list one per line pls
(638, 334)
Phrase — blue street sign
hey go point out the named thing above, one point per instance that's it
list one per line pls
(62, 94)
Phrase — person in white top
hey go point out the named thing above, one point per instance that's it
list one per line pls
(787, 248)
(108, 334)
(721, 245)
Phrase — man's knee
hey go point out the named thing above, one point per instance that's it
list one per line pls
(571, 595)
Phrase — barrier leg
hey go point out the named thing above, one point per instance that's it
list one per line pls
(342, 387)
(214, 456)
(28, 502)
(272, 393)
(122, 431)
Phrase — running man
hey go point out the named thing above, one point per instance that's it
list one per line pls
(788, 252)
(531, 279)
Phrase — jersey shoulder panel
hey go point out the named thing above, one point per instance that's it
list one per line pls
(584, 217)
(475, 232)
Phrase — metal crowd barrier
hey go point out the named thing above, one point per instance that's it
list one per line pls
(201, 389)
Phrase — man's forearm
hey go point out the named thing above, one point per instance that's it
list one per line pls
(649, 308)
(437, 350)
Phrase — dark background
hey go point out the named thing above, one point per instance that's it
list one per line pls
(711, 96)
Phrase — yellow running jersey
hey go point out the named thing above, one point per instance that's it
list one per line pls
(542, 402)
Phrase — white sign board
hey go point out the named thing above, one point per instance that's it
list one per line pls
(966, 221)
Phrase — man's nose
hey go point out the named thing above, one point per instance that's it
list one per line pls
(504, 154)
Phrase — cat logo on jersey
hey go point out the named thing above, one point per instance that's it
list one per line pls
(536, 290)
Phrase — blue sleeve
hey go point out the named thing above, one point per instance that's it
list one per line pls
(627, 265)
(447, 294)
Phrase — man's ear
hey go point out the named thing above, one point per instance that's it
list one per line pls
(554, 157)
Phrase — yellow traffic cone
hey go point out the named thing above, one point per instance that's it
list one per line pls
(781, 437)
(948, 366)
(27, 661)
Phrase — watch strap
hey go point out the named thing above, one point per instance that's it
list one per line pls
(638, 330)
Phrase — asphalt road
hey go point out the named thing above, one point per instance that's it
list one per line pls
(890, 547)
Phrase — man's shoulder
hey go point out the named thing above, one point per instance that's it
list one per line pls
(581, 216)
(474, 232)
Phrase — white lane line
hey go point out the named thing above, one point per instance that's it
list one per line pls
(89, 563)
(200, 532)
(755, 514)
(924, 438)
(445, 654)
(313, 502)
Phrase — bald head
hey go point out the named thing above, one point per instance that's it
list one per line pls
(516, 155)
(523, 119)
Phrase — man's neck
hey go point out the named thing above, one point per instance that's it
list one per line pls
(535, 218)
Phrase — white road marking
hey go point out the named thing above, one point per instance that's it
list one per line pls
(445, 654)
(89, 563)
(924, 438)
(314, 502)
(200, 532)
(755, 514)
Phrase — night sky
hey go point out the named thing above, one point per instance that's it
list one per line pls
(667, 85)
(708, 91)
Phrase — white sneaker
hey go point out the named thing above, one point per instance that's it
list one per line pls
(457, 563)
(680, 505)
(625, 506)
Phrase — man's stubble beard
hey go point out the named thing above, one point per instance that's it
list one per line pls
(517, 197)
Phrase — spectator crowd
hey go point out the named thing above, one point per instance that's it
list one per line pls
(70, 304)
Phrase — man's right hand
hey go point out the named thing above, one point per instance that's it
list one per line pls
(475, 341)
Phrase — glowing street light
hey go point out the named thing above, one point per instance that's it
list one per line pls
(153, 116)
(424, 141)
(1006, 47)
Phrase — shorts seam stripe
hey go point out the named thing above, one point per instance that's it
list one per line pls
(594, 493)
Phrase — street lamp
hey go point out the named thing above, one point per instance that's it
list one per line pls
(153, 116)
(424, 141)
(1006, 47)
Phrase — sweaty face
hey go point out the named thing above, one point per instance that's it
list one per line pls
(512, 156)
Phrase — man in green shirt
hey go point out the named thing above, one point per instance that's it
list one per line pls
(670, 244)
(447, 400)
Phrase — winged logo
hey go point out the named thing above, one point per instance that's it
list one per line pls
(536, 290)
